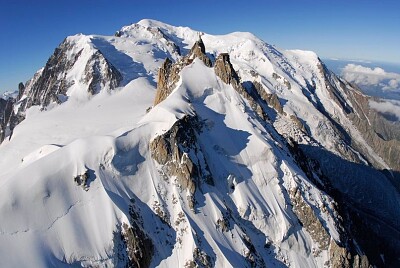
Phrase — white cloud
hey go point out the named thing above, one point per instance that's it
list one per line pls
(387, 107)
(365, 76)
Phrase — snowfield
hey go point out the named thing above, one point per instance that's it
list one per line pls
(49, 218)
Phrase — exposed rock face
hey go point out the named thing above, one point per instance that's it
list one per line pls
(139, 246)
(21, 89)
(180, 155)
(51, 84)
(380, 133)
(309, 220)
(202, 259)
(99, 73)
(198, 50)
(53, 81)
(6, 110)
(332, 90)
(224, 70)
(271, 99)
(158, 33)
(355, 235)
(341, 258)
(168, 74)
(83, 180)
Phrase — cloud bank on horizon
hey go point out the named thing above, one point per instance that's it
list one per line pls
(376, 81)
(391, 107)
(377, 77)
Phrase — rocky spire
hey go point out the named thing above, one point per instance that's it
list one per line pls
(224, 70)
(168, 74)
(6, 111)
(181, 156)
(21, 89)
(164, 81)
(199, 50)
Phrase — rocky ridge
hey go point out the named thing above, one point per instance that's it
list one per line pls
(50, 84)
(266, 195)
(166, 150)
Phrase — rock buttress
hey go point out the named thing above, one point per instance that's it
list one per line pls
(168, 74)
(179, 154)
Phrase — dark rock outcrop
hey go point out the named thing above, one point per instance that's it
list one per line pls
(82, 180)
(53, 82)
(139, 246)
(6, 110)
(100, 73)
(341, 254)
(21, 89)
(360, 245)
(271, 99)
(50, 84)
(223, 69)
(136, 243)
(198, 50)
(179, 154)
(380, 133)
(309, 220)
(167, 77)
(168, 74)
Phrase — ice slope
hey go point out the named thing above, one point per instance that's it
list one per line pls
(58, 222)
(47, 220)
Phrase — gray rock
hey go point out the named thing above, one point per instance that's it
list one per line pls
(100, 73)
(6, 112)
(224, 70)
(50, 83)
(271, 99)
(21, 89)
(169, 72)
(198, 50)
(309, 220)
(180, 155)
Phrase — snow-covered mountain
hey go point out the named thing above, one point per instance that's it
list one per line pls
(164, 146)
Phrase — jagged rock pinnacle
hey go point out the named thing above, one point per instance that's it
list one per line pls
(168, 74)
(224, 69)
(21, 89)
(163, 84)
(198, 50)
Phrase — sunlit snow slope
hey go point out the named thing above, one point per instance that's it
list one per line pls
(83, 182)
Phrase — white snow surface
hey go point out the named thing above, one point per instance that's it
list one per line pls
(47, 220)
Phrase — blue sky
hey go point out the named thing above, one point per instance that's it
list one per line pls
(352, 29)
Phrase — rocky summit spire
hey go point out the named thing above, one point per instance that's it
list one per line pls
(224, 70)
(168, 74)
(164, 81)
(199, 50)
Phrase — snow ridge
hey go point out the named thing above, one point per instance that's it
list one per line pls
(238, 172)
